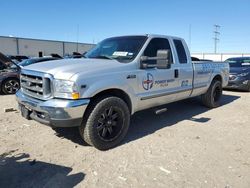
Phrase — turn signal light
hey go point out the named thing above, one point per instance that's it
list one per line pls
(75, 95)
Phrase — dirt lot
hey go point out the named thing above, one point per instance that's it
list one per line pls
(187, 146)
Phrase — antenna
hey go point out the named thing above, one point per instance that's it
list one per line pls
(216, 36)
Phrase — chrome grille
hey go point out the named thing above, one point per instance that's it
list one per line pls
(36, 84)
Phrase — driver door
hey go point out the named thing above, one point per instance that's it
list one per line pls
(156, 86)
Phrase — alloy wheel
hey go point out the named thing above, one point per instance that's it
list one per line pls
(11, 86)
(110, 123)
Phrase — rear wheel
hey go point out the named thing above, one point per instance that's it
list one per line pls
(10, 86)
(212, 97)
(106, 123)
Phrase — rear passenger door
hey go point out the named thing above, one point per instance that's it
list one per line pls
(184, 70)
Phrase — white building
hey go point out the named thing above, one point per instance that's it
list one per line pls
(32, 47)
(219, 56)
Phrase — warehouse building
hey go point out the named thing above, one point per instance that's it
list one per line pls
(36, 47)
(219, 56)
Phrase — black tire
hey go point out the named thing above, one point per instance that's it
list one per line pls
(10, 86)
(212, 97)
(105, 123)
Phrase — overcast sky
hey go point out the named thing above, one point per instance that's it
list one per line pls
(98, 19)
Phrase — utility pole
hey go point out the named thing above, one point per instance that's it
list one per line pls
(190, 36)
(216, 37)
(77, 38)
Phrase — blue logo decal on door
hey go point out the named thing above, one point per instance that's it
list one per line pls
(148, 82)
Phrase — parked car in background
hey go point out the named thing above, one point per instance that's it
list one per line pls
(239, 73)
(75, 55)
(206, 60)
(17, 58)
(9, 75)
(197, 59)
(57, 56)
(36, 60)
(10, 71)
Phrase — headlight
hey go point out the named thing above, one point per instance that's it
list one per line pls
(66, 89)
(243, 74)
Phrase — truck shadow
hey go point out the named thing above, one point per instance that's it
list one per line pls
(147, 122)
(20, 171)
(71, 134)
(236, 90)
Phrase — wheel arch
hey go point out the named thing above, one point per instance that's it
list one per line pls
(218, 77)
(116, 93)
(10, 77)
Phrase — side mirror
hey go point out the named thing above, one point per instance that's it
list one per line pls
(163, 60)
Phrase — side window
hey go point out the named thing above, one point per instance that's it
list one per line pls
(155, 45)
(180, 51)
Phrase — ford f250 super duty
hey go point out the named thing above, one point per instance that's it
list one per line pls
(118, 77)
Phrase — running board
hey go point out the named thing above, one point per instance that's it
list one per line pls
(160, 111)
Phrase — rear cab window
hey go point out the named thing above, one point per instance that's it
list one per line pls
(181, 52)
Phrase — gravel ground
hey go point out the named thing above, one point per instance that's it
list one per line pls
(187, 146)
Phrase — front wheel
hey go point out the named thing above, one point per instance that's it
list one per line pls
(212, 97)
(106, 123)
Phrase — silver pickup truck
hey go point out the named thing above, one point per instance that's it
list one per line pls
(118, 77)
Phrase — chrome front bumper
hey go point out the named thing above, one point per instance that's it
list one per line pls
(53, 112)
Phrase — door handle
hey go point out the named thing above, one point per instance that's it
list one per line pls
(176, 73)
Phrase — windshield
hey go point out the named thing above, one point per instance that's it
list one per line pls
(239, 62)
(123, 49)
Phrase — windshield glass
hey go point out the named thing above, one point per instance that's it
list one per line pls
(239, 62)
(123, 49)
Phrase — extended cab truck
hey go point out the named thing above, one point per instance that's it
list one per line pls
(120, 76)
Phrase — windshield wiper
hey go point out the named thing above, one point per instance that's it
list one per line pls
(102, 57)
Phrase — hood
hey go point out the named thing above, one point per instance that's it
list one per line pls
(4, 59)
(66, 68)
(238, 70)
(6, 62)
